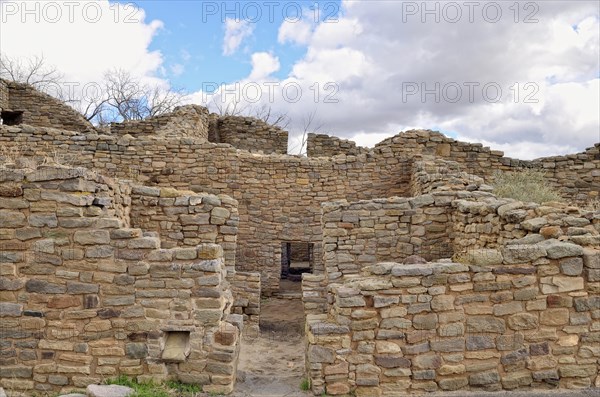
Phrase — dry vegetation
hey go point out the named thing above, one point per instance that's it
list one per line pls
(527, 185)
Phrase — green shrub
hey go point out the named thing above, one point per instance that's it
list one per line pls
(305, 385)
(527, 185)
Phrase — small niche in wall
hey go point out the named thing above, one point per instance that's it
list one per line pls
(11, 118)
(177, 346)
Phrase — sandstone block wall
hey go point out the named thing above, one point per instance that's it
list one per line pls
(246, 293)
(576, 176)
(279, 196)
(361, 233)
(247, 133)
(492, 223)
(528, 318)
(85, 298)
(184, 121)
(42, 110)
(3, 95)
(187, 219)
(321, 145)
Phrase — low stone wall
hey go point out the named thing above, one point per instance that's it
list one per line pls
(245, 287)
(321, 145)
(358, 234)
(42, 110)
(525, 317)
(491, 223)
(184, 121)
(85, 298)
(314, 295)
(187, 219)
(247, 133)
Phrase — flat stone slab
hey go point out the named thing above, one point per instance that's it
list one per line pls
(73, 395)
(108, 391)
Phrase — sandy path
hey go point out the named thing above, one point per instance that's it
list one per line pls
(272, 363)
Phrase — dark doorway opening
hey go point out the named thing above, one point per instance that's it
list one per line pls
(11, 118)
(297, 257)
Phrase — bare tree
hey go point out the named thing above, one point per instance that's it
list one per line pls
(310, 125)
(127, 98)
(118, 97)
(266, 114)
(34, 71)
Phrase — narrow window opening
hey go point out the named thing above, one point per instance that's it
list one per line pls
(11, 118)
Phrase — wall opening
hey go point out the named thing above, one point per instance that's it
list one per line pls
(8, 117)
(297, 257)
(176, 346)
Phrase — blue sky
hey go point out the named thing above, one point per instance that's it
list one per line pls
(193, 36)
(378, 60)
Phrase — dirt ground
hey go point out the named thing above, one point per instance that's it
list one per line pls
(272, 363)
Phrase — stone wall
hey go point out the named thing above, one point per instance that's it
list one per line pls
(279, 196)
(184, 121)
(493, 223)
(576, 176)
(3, 95)
(85, 298)
(247, 133)
(361, 233)
(42, 110)
(524, 318)
(187, 219)
(246, 293)
(321, 145)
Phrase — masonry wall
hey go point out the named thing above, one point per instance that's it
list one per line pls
(184, 121)
(248, 133)
(321, 145)
(361, 233)
(3, 95)
(493, 223)
(42, 110)
(85, 298)
(187, 219)
(279, 196)
(576, 176)
(504, 324)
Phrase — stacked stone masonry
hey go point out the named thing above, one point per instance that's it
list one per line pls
(321, 145)
(154, 273)
(191, 120)
(247, 133)
(447, 326)
(42, 110)
(85, 298)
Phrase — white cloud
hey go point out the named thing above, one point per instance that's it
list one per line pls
(263, 64)
(292, 31)
(236, 30)
(373, 56)
(82, 39)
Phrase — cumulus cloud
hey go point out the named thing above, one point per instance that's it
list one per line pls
(292, 31)
(82, 39)
(263, 64)
(526, 83)
(236, 31)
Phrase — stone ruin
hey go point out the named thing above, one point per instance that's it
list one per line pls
(144, 249)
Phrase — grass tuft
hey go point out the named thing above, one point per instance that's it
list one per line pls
(153, 389)
(305, 385)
